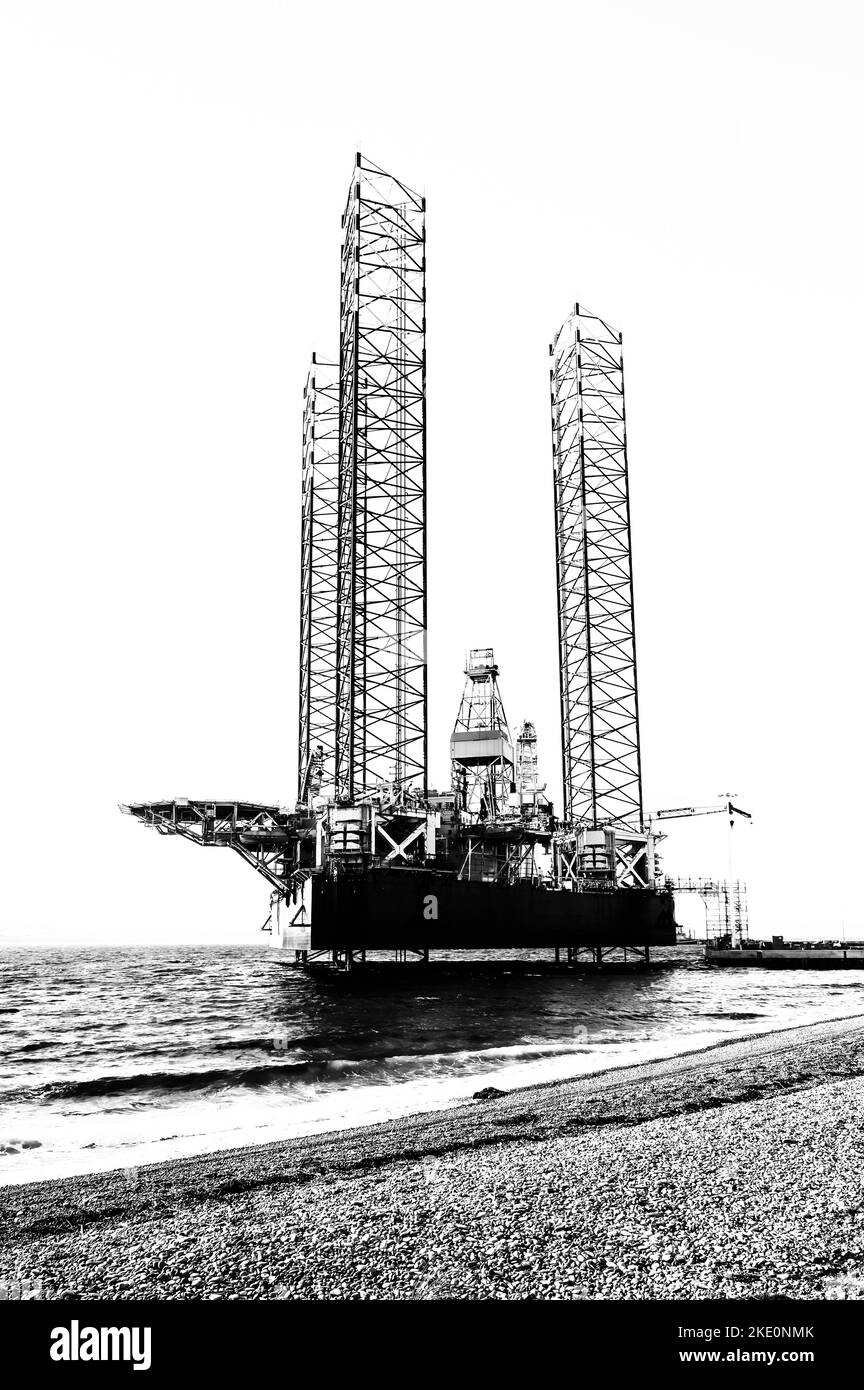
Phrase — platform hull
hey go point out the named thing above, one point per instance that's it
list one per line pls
(418, 909)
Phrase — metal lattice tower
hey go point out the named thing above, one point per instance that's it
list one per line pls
(481, 750)
(381, 617)
(596, 640)
(527, 780)
(318, 574)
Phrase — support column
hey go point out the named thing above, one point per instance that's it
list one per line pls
(380, 689)
(596, 641)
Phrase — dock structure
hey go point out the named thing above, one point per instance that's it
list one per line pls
(786, 956)
(370, 858)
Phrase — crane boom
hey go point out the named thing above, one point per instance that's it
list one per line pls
(677, 812)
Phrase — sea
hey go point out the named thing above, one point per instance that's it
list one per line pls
(112, 1057)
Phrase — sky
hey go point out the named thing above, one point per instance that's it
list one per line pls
(173, 178)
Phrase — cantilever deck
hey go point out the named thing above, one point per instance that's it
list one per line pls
(264, 835)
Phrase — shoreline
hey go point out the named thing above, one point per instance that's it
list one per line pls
(89, 1236)
(510, 1079)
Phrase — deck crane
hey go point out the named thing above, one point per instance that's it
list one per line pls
(676, 812)
(735, 910)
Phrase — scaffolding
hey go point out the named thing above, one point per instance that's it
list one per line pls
(318, 574)
(381, 592)
(725, 903)
(596, 639)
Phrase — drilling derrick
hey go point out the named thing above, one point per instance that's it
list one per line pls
(596, 639)
(481, 750)
(381, 600)
(318, 571)
(527, 782)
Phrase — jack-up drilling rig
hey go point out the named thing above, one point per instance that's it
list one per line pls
(371, 858)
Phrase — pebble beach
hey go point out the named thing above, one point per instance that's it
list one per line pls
(728, 1173)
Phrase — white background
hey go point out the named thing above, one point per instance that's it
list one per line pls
(172, 179)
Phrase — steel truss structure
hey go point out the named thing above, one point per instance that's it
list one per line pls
(725, 903)
(262, 835)
(498, 860)
(481, 750)
(605, 955)
(527, 779)
(318, 575)
(381, 599)
(628, 857)
(596, 638)
(634, 859)
(600, 957)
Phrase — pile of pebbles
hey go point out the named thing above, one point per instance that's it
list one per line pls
(735, 1172)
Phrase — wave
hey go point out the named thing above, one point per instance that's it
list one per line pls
(306, 1069)
(304, 1042)
(160, 1081)
(741, 1017)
